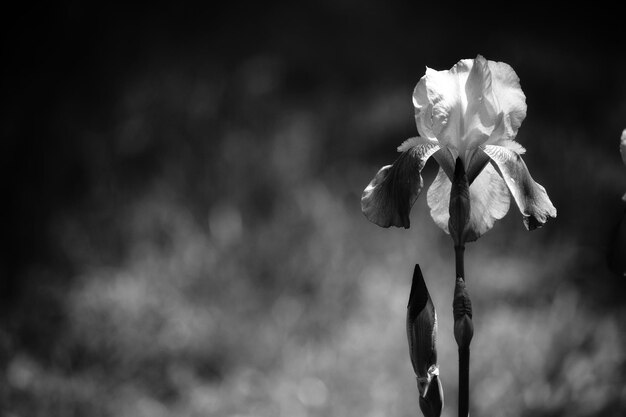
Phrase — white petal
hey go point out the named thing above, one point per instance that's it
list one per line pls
(531, 198)
(444, 91)
(511, 101)
(489, 201)
(480, 114)
(438, 198)
(513, 146)
(388, 198)
(423, 110)
(412, 142)
(477, 158)
(446, 160)
(457, 106)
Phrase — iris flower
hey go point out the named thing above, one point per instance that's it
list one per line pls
(470, 113)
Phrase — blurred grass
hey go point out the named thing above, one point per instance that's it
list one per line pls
(214, 260)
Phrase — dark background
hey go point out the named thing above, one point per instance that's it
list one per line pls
(181, 222)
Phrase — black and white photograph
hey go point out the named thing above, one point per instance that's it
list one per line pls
(337, 208)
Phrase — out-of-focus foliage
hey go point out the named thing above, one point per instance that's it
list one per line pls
(184, 234)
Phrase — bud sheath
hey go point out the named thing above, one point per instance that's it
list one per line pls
(462, 310)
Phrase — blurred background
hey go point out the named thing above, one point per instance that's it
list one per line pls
(182, 233)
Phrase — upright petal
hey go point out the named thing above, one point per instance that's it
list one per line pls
(457, 106)
(444, 91)
(489, 201)
(388, 198)
(480, 113)
(511, 101)
(531, 197)
(423, 110)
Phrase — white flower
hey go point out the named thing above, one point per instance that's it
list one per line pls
(471, 112)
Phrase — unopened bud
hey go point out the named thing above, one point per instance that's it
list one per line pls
(459, 208)
(421, 329)
(462, 310)
(421, 326)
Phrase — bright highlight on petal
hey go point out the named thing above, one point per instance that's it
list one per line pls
(443, 91)
(480, 111)
(531, 197)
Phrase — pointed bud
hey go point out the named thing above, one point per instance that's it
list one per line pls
(421, 326)
(421, 329)
(462, 309)
(458, 224)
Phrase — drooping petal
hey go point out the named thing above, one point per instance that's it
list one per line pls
(531, 198)
(511, 101)
(489, 201)
(445, 159)
(443, 156)
(477, 159)
(513, 146)
(413, 142)
(388, 198)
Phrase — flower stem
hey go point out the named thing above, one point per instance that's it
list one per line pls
(463, 330)
(459, 251)
(464, 360)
